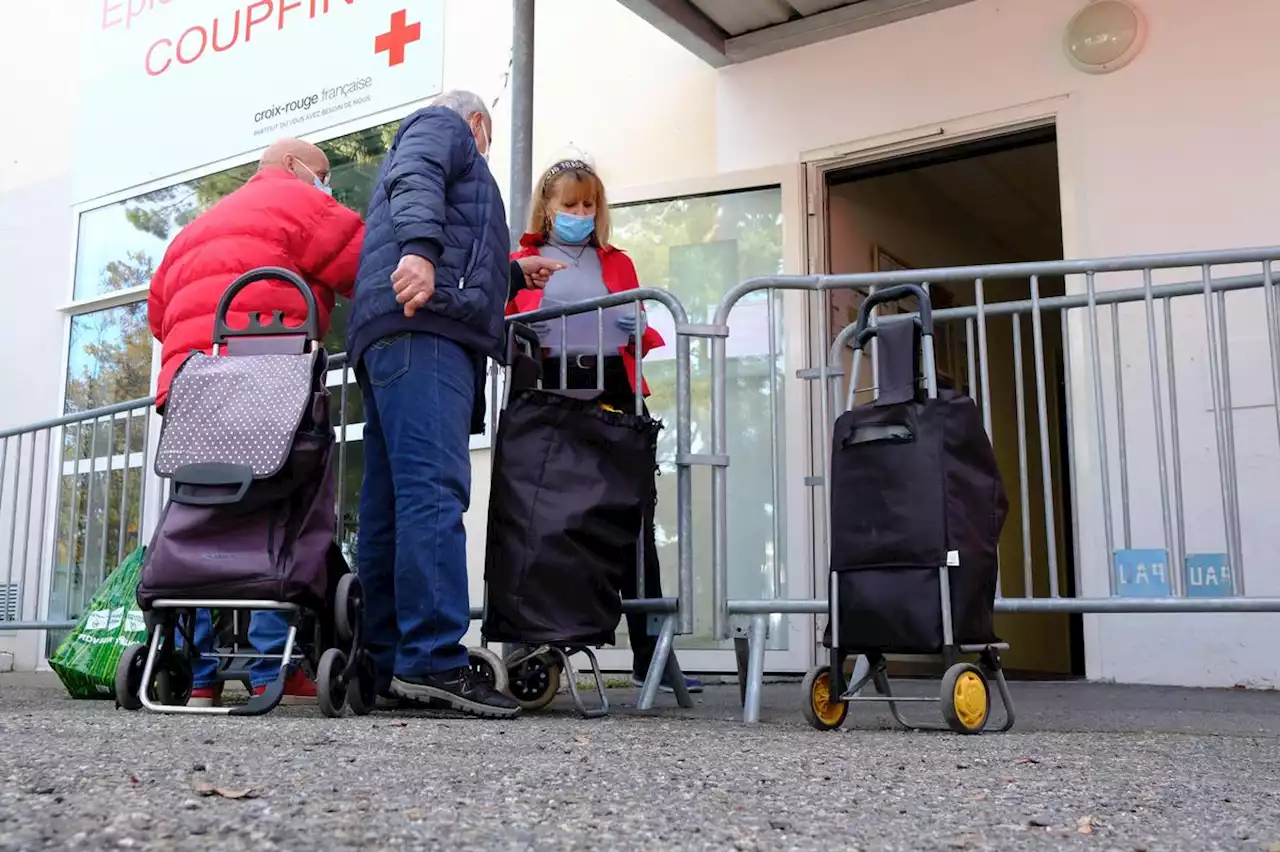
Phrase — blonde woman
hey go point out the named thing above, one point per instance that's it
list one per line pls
(569, 223)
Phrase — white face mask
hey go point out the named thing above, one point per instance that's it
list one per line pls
(487, 142)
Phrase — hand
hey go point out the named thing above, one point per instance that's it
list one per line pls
(414, 281)
(627, 322)
(538, 271)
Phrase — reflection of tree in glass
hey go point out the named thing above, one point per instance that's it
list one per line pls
(113, 363)
(99, 498)
(699, 248)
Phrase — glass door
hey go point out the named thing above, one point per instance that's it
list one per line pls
(698, 240)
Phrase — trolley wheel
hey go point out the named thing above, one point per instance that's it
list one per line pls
(348, 602)
(488, 668)
(966, 698)
(822, 710)
(362, 689)
(129, 677)
(534, 680)
(331, 689)
(175, 680)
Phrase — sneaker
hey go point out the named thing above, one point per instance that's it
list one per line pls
(690, 683)
(298, 690)
(206, 696)
(459, 690)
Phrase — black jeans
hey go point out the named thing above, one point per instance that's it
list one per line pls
(582, 374)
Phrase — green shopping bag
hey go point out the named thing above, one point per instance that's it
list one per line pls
(86, 661)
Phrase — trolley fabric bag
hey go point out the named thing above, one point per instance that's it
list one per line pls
(247, 442)
(913, 480)
(86, 660)
(572, 480)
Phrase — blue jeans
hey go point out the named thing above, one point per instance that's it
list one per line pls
(268, 631)
(411, 554)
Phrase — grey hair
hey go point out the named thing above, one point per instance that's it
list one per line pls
(464, 103)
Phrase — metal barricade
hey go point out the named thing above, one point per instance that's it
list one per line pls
(674, 615)
(73, 502)
(1062, 300)
(62, 532)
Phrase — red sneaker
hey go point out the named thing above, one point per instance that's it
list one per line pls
(298, 689)
(206, 696)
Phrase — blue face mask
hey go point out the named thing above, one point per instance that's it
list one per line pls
(574, 230)
(315, 179)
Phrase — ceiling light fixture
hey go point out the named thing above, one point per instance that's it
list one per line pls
(1105, 36)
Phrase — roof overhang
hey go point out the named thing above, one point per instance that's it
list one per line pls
(764, 27)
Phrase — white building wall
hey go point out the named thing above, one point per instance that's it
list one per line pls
(1174, 153)
(36, 239)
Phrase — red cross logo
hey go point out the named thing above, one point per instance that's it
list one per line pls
(394, 40)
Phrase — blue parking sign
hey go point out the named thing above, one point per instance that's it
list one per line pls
(1142, 574)
(1209, 576)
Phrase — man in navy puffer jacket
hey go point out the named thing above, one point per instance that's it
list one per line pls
(433, 283)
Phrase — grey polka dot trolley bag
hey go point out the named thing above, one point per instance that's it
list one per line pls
(249, 524)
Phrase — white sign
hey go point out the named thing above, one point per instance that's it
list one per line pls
(170, 85)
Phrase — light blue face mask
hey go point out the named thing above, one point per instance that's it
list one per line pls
(574, 230)
(315, 179)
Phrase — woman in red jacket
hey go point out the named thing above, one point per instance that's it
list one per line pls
(569, 222)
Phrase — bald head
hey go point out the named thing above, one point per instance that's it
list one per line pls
(307, 162)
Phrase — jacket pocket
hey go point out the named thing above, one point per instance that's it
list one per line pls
(388, 359)
(473, 260)
(477, 245)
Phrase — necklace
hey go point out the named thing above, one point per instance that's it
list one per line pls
(575, 259)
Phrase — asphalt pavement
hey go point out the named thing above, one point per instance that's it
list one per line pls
(1089, 766)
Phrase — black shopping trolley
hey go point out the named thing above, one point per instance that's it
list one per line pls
(572, 485)
(916, 510)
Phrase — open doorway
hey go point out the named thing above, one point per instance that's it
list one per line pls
(994, 200)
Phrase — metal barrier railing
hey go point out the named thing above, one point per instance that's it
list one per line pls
(60, 519)
(1135, 585)
(101, 508)
(73, 492)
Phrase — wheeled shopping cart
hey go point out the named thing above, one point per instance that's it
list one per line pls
(572, 486)
(249, 524)
(916, 510)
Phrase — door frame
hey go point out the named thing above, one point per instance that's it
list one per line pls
(798, 570)
(1059, 112)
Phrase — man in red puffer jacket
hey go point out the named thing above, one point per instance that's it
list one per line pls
(283, 216)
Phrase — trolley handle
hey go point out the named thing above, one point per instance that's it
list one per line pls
(276, 327)
(864, 331)
(518, 333)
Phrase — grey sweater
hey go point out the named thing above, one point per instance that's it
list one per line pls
(580, 279)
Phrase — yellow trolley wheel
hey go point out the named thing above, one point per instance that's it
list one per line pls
(822, 710)
(966, 699)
